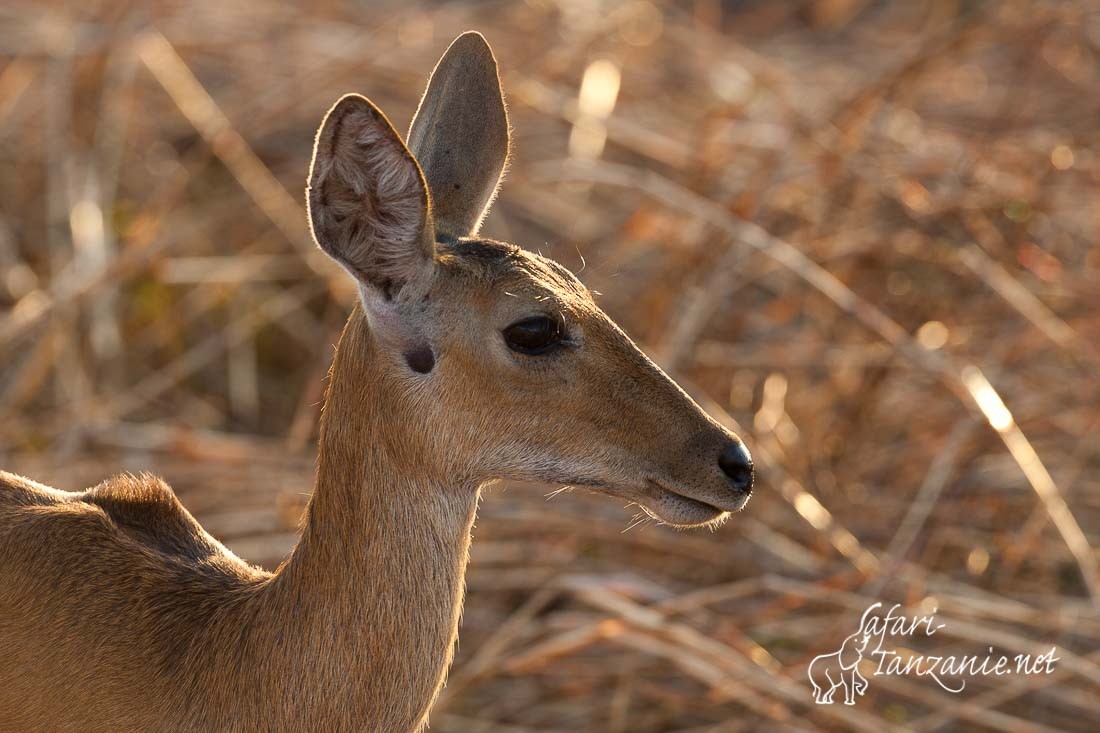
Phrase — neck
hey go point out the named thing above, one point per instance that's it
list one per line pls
(374, 589)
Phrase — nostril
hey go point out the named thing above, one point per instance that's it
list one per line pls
(736, 463)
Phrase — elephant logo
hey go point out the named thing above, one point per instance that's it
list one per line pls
(840, 669)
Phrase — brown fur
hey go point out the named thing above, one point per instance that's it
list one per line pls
(118, 612)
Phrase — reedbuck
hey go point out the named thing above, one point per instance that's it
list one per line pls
(465, 360)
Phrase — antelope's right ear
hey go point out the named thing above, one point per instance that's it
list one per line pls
(369, 206)
(460, 135)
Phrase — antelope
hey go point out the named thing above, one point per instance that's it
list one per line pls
(464, 361)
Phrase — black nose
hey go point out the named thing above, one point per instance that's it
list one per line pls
(736, 463)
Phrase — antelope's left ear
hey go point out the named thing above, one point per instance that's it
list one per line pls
(369, 206)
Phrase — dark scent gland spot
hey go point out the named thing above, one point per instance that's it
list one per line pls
(457, 186)
(420, 359)
(387, 286)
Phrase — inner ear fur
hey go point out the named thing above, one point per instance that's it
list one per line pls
(369, 205)
(460, 135)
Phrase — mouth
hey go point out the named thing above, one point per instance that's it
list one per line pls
(668, 505)
(675, 508)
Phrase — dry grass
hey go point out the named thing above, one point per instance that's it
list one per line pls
(862, 232)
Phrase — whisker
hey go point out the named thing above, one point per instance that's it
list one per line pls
(638, 519)
(554, 493)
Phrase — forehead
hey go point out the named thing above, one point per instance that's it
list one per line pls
(507, 265)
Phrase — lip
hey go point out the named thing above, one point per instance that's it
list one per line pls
(668, 505)
(731, 508)
(680, 509)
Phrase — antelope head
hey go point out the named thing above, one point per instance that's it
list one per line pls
(501, 359)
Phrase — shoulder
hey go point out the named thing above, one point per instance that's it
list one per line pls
(130, 498)
(146, 509)
(135, 510)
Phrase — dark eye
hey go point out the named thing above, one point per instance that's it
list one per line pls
(538, 335)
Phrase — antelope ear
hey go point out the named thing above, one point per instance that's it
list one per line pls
(369, 207)
(460, 135)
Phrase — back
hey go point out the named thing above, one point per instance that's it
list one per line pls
(87, 580)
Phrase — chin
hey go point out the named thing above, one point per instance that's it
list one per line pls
(675, 508)
(667, 506)
(680, 511)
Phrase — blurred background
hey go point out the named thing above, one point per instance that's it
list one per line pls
(862, 233)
